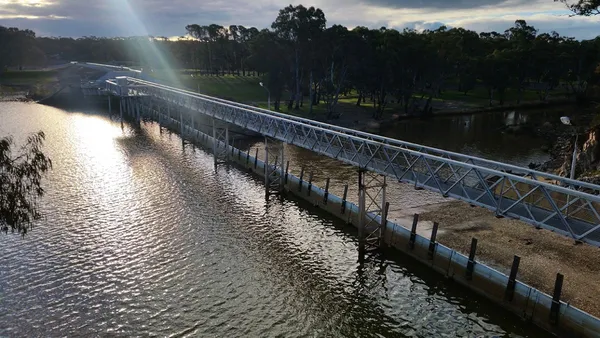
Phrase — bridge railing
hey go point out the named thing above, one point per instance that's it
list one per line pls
(567, 211)
(509, 168)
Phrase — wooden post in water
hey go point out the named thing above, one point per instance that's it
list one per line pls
(555, 307)
(344, 199)
(512, 279)
(301, 177)
(471, 262)
(287, 168)
(413, 232)
(432, 241)
(121, 110)
(326, 195)
(384, 222)
(181, 127)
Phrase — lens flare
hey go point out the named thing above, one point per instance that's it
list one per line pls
(149, 54)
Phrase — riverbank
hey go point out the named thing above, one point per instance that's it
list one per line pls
(28, 85)
(247, 90)
(543, 253)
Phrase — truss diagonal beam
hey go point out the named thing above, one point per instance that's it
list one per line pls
(396, 159)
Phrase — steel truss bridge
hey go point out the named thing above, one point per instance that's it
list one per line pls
(565, 206)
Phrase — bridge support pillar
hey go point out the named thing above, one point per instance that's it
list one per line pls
(372, 209)
(220, 143)
(274, 166)
(121, 103)
(181, 129)
(138, 112)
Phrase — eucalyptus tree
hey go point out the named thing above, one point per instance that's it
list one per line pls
(583, 7)
(21, 173)
(300, 28)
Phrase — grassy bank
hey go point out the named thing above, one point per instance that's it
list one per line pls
(33, 84)
(27, 77)
(246, 89)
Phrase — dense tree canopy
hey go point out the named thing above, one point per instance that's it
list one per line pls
(18, 47)
(301, 57)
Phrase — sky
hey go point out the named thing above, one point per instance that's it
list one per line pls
(76, 18)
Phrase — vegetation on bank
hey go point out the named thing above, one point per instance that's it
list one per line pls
(27, 76)
(247, 89)
(28, 84)
(310, 67)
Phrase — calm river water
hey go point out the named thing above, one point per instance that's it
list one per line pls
(142, 237)
(484, 135)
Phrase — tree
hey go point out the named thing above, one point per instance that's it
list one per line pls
(301, 27)
(16, 47)
(21, 182)
(583, 7)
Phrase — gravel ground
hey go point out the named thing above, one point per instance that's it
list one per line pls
(543, 253)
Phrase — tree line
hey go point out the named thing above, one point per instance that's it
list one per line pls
(302, 59)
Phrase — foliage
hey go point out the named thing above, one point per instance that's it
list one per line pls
(409, 70)
(583, 7)
(21, 182)
(18, 47)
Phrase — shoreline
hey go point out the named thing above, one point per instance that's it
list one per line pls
(371, 125)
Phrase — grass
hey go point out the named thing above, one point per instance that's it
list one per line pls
(232, 87)
(246, 89)
(25, 77)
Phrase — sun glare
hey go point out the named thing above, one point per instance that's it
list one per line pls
(135, 23)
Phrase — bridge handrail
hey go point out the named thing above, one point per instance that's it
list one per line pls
(517, 178)
(385, 140)
(124, 68)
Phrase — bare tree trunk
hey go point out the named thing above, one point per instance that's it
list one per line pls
(319, 92)
(297, 79)
(311, 93)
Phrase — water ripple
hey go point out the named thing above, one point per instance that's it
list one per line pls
(142, 238)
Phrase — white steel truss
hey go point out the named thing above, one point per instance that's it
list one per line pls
(220, 142)
(274, 166)
(536, 198)
(372, 209)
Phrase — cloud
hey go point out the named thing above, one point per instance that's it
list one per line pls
(583, 28)
(442, 4)
(169, 17)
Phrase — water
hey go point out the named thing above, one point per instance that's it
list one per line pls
(483, 135)
(142, 237)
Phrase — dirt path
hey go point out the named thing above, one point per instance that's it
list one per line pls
(543, 253)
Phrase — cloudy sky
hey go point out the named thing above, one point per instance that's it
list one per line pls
(169, 17)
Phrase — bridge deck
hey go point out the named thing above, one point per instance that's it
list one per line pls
(493, 185)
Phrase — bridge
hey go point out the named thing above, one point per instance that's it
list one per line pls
(565, 206)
